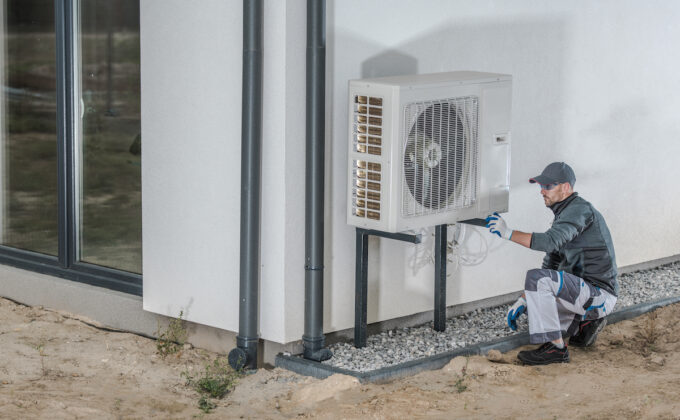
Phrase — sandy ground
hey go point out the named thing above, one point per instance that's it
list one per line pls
(54, 366)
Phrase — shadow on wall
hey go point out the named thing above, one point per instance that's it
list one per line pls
(389, 63)
(533, 52)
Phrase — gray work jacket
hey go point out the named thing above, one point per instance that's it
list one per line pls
(579, 243)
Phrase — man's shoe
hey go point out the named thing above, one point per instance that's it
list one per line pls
(587, 332)
(544, 355)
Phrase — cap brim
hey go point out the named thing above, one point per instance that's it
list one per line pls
(542, 179)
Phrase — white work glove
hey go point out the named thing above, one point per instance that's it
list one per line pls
(497, 225)
(517, 309)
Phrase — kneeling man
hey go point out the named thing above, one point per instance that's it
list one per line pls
(576, 287)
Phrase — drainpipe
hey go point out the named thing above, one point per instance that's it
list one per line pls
(313, 338)
(245, 354)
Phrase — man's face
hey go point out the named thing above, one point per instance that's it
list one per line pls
(555, 193)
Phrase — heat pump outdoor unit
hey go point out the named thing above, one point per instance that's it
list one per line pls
(428, 150)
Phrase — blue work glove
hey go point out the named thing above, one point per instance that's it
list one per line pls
(517, 309)
(497, 225)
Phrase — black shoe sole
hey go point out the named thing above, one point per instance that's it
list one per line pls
(541, 362)
(575, 343)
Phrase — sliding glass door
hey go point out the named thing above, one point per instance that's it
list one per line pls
(70, 139)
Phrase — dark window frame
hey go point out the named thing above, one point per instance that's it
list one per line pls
(66, 265)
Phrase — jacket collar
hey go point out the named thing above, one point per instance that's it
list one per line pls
(558, 207)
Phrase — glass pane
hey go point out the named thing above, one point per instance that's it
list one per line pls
(28, 129)
(110, 211)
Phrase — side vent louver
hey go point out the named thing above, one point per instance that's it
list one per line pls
(368, 119)
(368, 139)
(366, 192)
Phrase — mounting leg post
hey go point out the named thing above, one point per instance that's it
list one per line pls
(361, 278)
(361, 289)
(440, 248)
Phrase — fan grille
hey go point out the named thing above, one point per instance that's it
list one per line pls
(440, 155)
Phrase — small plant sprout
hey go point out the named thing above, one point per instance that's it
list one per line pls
(216, 381)
(459, 385)
(41, 351)
(651, 333)
(172, 339)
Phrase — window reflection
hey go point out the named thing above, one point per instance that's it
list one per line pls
(110, 197)
(28, 148)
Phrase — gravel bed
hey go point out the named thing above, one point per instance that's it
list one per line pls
(482, 325)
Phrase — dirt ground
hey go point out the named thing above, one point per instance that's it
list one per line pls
(55, 366)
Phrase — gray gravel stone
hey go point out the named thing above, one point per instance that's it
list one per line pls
(482, 325)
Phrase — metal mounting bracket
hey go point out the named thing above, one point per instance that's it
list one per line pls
(361, 278)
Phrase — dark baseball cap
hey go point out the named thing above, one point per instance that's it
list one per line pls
(556, 172)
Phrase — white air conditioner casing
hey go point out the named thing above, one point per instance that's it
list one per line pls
(427, 150)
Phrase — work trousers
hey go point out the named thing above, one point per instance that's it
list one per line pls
(557, 302)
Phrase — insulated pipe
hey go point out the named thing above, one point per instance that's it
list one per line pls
(313, 338)
(245, 354)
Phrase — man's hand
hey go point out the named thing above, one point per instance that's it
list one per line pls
(517, 309)
(497, 225)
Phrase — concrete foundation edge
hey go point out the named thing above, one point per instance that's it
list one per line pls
(321, 371)
(102, 307)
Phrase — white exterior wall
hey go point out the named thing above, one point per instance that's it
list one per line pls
(191, 128)
(191, 176)
(594, 84)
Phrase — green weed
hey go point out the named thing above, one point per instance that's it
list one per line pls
(205, 405)
(651, 333)
(41, 351)
(216, 381)
(459, 385)
(172, 339)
